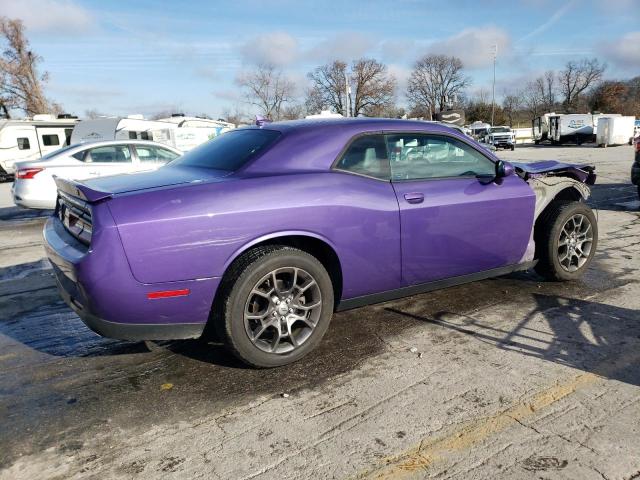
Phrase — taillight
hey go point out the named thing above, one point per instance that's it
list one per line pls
(27, 173)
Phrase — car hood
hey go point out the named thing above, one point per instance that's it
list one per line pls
(162, 177)
(582, 172)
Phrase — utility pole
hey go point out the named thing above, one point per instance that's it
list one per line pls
(493, 95)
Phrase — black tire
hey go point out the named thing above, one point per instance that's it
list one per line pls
(638, 191)
(239, 281)
(513, 147)
(547, 236)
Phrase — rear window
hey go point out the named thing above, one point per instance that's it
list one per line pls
(229, 151)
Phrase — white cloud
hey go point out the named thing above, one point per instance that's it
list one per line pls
(277, 48)
(474, 46)
(624, 51)
(54, 16)
(346, 46)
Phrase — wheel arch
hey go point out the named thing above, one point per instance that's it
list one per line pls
(312, 243)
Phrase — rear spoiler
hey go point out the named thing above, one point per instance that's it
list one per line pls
(80, 190)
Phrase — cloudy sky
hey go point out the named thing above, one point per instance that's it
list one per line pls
(124, 57)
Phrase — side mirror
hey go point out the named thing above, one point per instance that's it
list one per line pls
(503, 169)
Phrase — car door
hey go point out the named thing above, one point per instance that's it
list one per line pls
(371, 247)
(150, 157)
(455, 219)
(51, 139)
(108, 160)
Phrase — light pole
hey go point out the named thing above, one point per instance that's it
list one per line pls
(493, 95)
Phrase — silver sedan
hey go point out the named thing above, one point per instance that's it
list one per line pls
(34, 186)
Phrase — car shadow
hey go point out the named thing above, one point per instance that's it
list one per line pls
(620, 197)
(19, 213)
(590, 336)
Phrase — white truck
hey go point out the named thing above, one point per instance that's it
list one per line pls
(614, 130)
(30, 139)
(501, 137)
(183, 133)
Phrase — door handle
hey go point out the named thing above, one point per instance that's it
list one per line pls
(414, 197)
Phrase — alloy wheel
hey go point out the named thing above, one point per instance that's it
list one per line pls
(575, 242)
(282, 310)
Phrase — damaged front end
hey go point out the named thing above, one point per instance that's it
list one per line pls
(551, 180)
(556, 180)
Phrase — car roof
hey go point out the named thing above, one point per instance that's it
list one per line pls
(314, 144)
(355, 125)
(124, 141)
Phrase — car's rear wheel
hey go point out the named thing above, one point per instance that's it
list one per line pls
(566, 240)
(277, 306)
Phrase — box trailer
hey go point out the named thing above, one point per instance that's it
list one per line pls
(614, 130)
(571, 128)
(30, 139)
(540, 128)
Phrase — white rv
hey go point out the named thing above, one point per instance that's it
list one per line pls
(30, 139)
(183, 133)
(478, 129)
(614, 130)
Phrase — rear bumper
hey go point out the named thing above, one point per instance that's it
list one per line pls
(32, 193)
(102, 291)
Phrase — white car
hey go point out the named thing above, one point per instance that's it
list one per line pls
(34, 186)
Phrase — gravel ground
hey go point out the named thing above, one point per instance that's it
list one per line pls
(511, 377)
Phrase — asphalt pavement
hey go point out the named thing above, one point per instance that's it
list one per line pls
(512, 377)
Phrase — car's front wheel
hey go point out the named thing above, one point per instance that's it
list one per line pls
(278, 302)
(566, 240)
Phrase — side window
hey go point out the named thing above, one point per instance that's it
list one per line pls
(415, 156)
(23, 143)
(80, 155)
(109, 154)
(367, 155)
(67, 135)
(154, 155)
(50, 140)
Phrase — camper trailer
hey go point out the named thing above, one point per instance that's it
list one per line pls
(30, 139)
(478, 129)
(183, 133)
(571, 128)
(615, 130)
(540, 128)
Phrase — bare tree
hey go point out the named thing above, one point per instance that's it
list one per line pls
(511, 105)
(236, 116)
(576, 78)
(267, 88)
(20, 83)
(293, 112)
(435, 81)
(374, 87)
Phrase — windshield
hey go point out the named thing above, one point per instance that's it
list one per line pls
(500, 129)
(229, 151)
(56, 152)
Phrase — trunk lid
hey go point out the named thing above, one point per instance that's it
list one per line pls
(96, 189)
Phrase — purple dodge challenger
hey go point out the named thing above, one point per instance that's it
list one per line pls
(263, 232)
